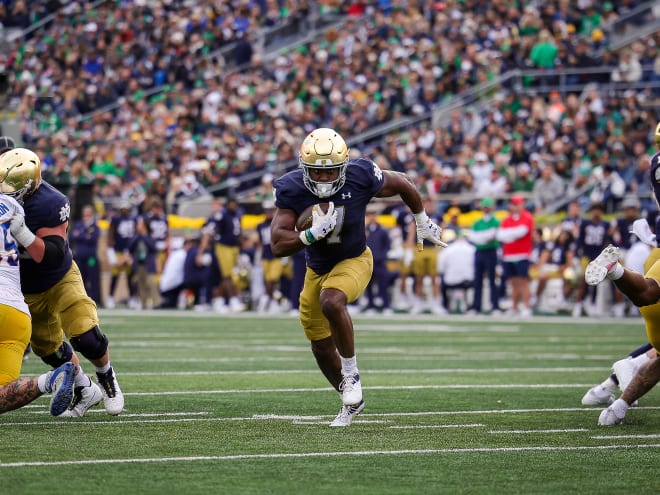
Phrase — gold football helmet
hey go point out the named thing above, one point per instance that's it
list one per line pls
(657, 136)
(323, 148)
(20, 173)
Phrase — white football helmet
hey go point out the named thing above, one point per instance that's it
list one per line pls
(323, 148)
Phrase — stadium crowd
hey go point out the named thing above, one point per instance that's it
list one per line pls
(136, 108)
(178, 135)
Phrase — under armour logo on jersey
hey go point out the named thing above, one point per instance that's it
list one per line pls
(346, 196)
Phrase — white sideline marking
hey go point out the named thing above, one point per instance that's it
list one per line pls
(417, 427)
(479, 450)
(523, 432)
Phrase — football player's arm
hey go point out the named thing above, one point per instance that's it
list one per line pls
(397, 183)
(47, 245)
(285, 239)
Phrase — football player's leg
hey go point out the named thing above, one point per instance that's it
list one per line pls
(79, 318)
(15, 392)
(317, 330)
(344, 284)
(648, 374)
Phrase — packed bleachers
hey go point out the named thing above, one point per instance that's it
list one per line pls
(220, 126)
(133, 100)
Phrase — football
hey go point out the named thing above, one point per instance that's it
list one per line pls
(305, 219)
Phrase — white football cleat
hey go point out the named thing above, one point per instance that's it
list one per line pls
(84, 398)
(625, 369)
(113, 399)
(598, 396)
(608, 417)
(347, 413)
(351, 389)
(598, 269)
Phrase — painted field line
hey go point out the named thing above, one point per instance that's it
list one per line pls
(617, 437)
(296, 417)
(116, 316)
(362, 422)
(137, 415)
(398, 371)
(447, 413)
(416, 357)
(437, 328)
(375, 387)
(524, 432)
(367, 453)
(423, 427)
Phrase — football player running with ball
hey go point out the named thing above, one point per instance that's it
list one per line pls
(339, 263)
(52, 284)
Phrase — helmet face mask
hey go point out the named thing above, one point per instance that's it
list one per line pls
(20, 173)
(656, 137)
(323, 149)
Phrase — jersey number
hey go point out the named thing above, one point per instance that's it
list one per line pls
(335, 235)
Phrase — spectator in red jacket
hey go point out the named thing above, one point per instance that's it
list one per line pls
(515, 234)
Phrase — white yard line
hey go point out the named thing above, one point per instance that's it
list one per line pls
(136, 415)
(374, 387)
(365, 453)
(369, 372)
(624, 437)
(290, 417)
(422, 427)
(525, 432)
(416, 357)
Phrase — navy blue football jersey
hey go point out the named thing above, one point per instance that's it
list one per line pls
(123, 228)
(46, 207)
(228, 228)
(655, 175)
(348, 239)
(158, 229)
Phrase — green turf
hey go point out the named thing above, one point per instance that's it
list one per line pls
(236, 405)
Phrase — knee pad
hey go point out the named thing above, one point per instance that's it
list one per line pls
(92, 344)
(59, 357)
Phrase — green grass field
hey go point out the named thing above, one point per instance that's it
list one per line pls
(237, 405)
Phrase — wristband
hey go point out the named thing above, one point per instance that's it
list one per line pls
(307, 237)
(421, 217)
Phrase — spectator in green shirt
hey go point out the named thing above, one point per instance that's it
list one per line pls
(544, 52)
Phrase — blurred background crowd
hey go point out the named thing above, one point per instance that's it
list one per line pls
(173, 109)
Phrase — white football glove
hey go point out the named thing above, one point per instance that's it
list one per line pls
(20, 231)
(426, 229)
(641, 229)
(322, 224)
